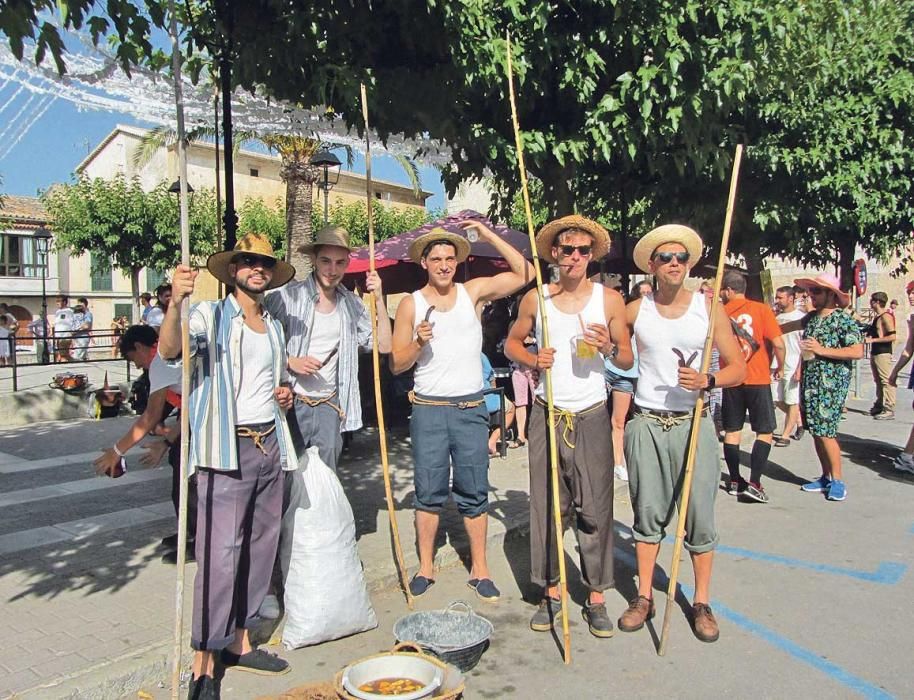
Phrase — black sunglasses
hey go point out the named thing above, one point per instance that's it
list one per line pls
(665, 258)
(250, 260)
(568, 250)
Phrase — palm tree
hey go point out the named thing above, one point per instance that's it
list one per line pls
(295, 152)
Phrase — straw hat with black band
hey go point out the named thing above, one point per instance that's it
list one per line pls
(253, 244)
(545, 239)
(668, 233)
(329, 235)
(439, 235)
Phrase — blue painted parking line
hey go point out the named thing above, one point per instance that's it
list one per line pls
(810, 658)
(887, 573)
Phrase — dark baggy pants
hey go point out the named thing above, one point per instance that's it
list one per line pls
(237, 534)
(174, 459)
(585, 491)
(317, 425)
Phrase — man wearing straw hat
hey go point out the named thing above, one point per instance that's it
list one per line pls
(438, 332)
(239, 446)
(326, 325)
(586, 321)
(670, 327)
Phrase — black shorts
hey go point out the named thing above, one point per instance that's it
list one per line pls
(756, 399)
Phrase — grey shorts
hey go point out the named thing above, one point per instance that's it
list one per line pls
(656, 461)
(440, 436)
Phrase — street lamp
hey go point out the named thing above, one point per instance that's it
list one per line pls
(331, 167)
(43, 243)
(175, 188)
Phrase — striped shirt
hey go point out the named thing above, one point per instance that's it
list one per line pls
(294, 305)
(216, 328)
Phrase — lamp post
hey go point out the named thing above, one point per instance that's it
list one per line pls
(331, 166)
(43, 243)
(175, 188)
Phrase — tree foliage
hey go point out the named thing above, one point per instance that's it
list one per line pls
(388, 221)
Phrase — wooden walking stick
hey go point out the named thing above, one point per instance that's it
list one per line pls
(185, 366)
(550, 406)
(376, 362)
(699, 406)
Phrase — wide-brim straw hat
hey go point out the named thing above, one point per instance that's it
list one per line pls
(329, 235)
(255, 244)
(827, 280)
(547, 235)
(439, 235)
(668, 233)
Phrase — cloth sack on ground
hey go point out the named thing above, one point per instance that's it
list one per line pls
(325, 594)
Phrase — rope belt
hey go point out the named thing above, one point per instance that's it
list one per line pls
(256, 435)
(419, 401)
(569, 417)
(313, 403)
(668, 419)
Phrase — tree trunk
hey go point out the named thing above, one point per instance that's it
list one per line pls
(754, 267)
(299, 178)
(847, 251)
(557, 190)
(135, 292)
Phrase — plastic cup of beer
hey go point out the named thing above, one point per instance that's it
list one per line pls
(807, 355)
(583, 349)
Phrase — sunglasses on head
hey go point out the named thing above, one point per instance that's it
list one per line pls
(665, 258)
(568, 250)
(250, 260)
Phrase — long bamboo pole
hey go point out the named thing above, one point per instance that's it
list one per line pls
(699, 406)
(185, 368)
(376, 362)
(550, 406)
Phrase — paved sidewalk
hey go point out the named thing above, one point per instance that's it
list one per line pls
(810, 589)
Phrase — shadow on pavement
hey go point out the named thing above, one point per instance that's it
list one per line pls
(875, 455)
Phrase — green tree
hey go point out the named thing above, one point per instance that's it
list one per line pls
(256, 216)
(388, 221)
(118, 221)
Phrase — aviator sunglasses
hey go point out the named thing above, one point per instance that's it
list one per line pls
(249, 260)
(665, 258)
(568, 250)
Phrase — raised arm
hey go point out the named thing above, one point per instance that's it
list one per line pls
(505, 283)
(182, 286)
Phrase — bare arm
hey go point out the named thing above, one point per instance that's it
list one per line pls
(735, 371)
(405, 345)
(617, 324)
(373, 283)
(905, 356)
(515, 350)
(140, 428)
(182, 286)
(780, 354)
(505, 283)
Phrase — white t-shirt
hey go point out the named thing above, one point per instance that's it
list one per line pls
(255, 388)
(63, 320)
(155, 317)
(325, 337)
(163, 376)
(791, 342)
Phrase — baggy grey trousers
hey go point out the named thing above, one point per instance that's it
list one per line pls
(317, 425)
(238, 519)
(585, 492)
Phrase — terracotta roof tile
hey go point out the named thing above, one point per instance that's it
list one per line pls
(22, 211)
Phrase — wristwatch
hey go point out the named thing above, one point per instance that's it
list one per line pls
(712, 381)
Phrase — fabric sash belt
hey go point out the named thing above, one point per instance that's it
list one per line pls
(314, 403)
(253, 433)
(569, 417)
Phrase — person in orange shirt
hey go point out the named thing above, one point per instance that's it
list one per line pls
(759, 335)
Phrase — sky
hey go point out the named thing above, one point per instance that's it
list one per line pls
(50, 151)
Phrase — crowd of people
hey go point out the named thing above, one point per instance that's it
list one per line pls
(274, 371)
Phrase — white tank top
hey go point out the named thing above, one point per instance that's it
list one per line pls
(658, 366)
(255, 387)
(325, 337)
(576, 383)
(449, 365)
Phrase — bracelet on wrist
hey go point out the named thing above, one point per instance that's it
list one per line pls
(117, 451)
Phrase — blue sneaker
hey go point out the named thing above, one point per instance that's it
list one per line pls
(837, 491)
(818, 486)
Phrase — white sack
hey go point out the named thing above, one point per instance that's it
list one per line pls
(325, 594)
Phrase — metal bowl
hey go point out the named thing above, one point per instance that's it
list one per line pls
(393, 665)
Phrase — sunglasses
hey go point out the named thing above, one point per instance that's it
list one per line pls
(568, 250)
(249, 260)
(666, 258)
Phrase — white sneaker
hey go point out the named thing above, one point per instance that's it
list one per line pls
(621, 472)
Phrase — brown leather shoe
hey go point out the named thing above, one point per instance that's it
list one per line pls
(639, 611)
(704, 624)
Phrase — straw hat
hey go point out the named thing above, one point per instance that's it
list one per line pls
(255, 244)
(547, 235)
(668, 233)
(329, 235)
(828, 281)
(439, 234)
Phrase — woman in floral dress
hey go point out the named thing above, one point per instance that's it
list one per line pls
(831, 342)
